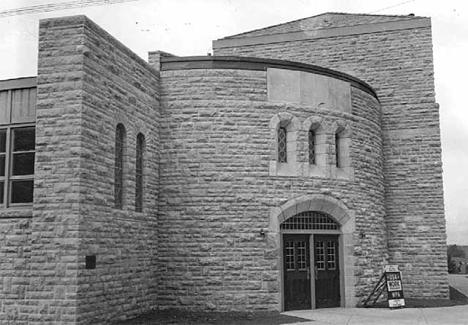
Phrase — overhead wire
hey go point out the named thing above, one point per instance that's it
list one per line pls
(394, 6)
(58, 6)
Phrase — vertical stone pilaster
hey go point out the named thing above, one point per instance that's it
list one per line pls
(56, 214)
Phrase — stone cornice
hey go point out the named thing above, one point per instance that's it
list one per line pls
(323, 33)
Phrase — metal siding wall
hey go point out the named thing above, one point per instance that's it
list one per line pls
(4, 107)
(23, 105)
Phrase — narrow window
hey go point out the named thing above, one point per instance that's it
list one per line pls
(140, 147)
(17, 151)
(3, 162)
(312, 147)
(337, 150)
(119, 165)
(282, 147)
(22, 165)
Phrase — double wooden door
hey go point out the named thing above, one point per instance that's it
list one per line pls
(299, 272)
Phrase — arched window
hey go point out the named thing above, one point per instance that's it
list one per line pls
(312, 144)
(284, 130)
(140, 147)
(119, 165)
(282, 145)
(337, 150)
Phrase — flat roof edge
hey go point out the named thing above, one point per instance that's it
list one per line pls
(18, 83)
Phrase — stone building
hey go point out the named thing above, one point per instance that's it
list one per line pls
(281, 173)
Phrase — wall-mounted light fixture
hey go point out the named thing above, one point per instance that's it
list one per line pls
(262, 232)
(362, 234)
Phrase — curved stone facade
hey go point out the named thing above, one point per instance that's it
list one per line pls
(221, 185)
(220, 182)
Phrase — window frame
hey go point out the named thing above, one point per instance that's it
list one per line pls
(338, 162)
(282, 145)
(9, 178)
(119, 165)
(139, 171)
(312, 146)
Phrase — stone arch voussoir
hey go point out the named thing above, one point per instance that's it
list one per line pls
(285, 119)
(318, 202)
(312, 123)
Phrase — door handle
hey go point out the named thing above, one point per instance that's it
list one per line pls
(308, 273)
(316, 272)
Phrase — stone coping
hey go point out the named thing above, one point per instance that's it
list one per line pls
(304, 35)
(257, 64)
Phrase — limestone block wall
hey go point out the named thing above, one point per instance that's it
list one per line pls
(397, 61)
(88, 83)
(15, 242)
(217, 191)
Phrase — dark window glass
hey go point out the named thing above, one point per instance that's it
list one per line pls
(2, 165)
(312, 147)
(22, 191)
(2, 192)
(3, 141)
(24, 139)
(23, 163)
(118, 169)
(337, 150)
(282, 145)
(139, 172)
(16, 181)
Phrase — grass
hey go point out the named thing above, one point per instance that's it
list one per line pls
(180, 317)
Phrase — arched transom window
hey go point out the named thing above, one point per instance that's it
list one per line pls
(310, 220)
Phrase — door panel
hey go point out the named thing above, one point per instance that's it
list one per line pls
(296, 264)
(327, 272)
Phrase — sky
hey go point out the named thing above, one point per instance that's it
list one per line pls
(188, 27)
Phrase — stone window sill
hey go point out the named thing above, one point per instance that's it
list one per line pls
(283, 169)
(308, 170)
(16, 212)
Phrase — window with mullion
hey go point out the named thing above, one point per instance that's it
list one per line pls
(22, 165)
(282, 145)
(312, 141)
(3, 160)
(17, 152)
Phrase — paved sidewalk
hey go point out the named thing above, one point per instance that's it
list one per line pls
(405, 316)
(459, 282)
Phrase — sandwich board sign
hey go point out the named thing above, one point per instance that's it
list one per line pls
(394, 286)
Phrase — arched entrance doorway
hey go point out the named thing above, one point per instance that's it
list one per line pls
(311, 261)
(314, 234)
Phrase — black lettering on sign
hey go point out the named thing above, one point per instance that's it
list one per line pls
(395, 295)
(394, 285)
